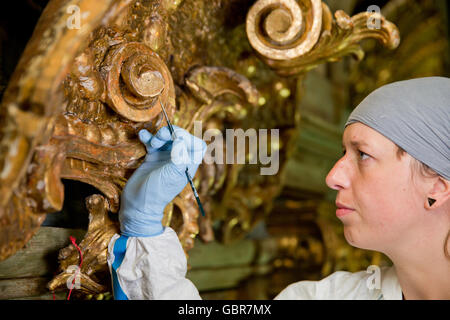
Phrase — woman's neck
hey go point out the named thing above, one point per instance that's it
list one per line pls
(423, 275)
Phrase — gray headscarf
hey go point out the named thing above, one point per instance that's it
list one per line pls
(414, 114)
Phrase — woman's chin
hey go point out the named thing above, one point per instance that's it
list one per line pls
(353, 239)
(348, 236)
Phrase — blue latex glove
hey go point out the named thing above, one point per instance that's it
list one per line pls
(158, 180)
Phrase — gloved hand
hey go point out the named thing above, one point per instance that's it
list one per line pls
(158, 180)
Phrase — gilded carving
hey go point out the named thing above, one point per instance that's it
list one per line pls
(293, 37)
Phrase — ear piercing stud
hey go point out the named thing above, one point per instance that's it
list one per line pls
(431, 201)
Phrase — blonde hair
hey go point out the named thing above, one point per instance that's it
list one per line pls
(426, 171)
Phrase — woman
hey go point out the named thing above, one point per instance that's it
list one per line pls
(393, 190)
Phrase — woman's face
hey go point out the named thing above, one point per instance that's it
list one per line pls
(377, 187)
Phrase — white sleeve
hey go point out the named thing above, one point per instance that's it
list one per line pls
(154, 268)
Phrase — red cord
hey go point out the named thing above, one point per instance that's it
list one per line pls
(73, 240)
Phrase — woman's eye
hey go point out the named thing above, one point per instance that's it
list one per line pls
(363, 155)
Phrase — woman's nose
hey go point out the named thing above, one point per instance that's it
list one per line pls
(338, 178)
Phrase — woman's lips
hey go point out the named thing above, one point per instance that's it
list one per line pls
(342, 210)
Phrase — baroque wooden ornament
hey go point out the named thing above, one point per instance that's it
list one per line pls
(79, 96)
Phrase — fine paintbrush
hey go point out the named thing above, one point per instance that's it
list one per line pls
(174, 136)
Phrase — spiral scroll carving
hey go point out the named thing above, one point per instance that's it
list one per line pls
(137, 80)
(284, 29)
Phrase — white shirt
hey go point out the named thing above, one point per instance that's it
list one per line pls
(344, 285)
(155, 268)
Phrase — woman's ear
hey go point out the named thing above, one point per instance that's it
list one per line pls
(439, 194)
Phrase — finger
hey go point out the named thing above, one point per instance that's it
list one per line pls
(145, 137)
(193, 143)
(183, 159)
(164, 134)
(161, 137)
(157, 143)
(196, 147)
